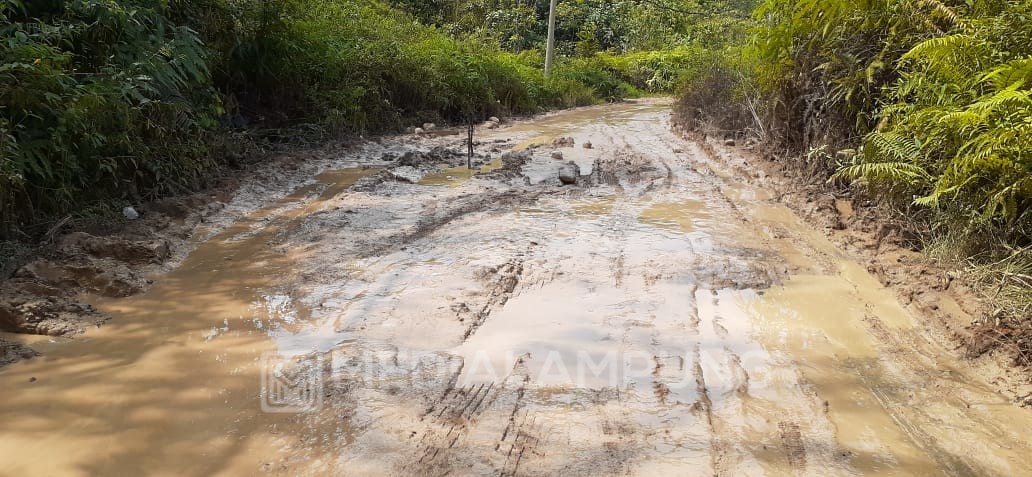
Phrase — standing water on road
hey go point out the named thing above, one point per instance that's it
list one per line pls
(656, 318)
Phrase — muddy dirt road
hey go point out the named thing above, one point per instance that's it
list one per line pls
(395, 317)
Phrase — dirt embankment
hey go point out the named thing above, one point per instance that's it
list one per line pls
(44, 296)
(888, 247)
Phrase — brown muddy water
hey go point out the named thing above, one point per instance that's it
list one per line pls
(658, 318)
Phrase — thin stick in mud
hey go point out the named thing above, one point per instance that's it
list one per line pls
(469, 143)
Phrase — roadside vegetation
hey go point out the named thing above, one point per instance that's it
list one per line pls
(922, 105)
(107, 103)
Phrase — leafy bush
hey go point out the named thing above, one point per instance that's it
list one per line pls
(100, 98)
(360, 66)
(662, 71)
(932, 100)
(957, 133)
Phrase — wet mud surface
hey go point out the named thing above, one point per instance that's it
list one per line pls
(390, 312)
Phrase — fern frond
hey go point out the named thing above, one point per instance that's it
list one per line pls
(899, 172)
(1011, 75)
(955, 56)
(893, 146)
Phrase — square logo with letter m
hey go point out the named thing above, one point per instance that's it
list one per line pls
(291, 384)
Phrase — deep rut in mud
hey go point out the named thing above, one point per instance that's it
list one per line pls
(657, 317)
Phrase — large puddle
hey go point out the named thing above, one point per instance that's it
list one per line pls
(664, 322)
(171, 386)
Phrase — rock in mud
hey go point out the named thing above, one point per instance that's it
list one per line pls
(512, 163)
(412, 158)
(565, 141)
(587, 145)
(130, 213)
(557, 155)
(429, 126)
(623, 168)
(11, 352)
(419, 131)
(729, 142)
(494, 119)
(569, 173)
(23, 309)
(448, 155)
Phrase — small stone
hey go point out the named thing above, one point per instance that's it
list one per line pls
(130, 213)
(587, 145)
(729, 142)
(565, 141)
(429, 126)
(557, 155)
(419, 131)
(569, 173)
(494, 119)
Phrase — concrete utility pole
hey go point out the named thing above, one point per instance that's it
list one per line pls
(550, 47)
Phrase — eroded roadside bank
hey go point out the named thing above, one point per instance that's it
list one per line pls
(659, 314)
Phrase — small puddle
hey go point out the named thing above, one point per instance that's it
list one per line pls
(683, 216)
(455, 176)
(593, 207)
(544, 130)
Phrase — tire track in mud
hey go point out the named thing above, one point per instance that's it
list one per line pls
(458, 413)
(434, 219)
(456, 410)
(744, 412)
(722, 456)
(891, 384)
(502, 286)
(765, 423)
(792, 444)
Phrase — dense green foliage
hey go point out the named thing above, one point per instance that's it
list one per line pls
(928, 102)
(124, 100)
(585, 27)
(89, 91)
(925, 105)
(936, 95)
